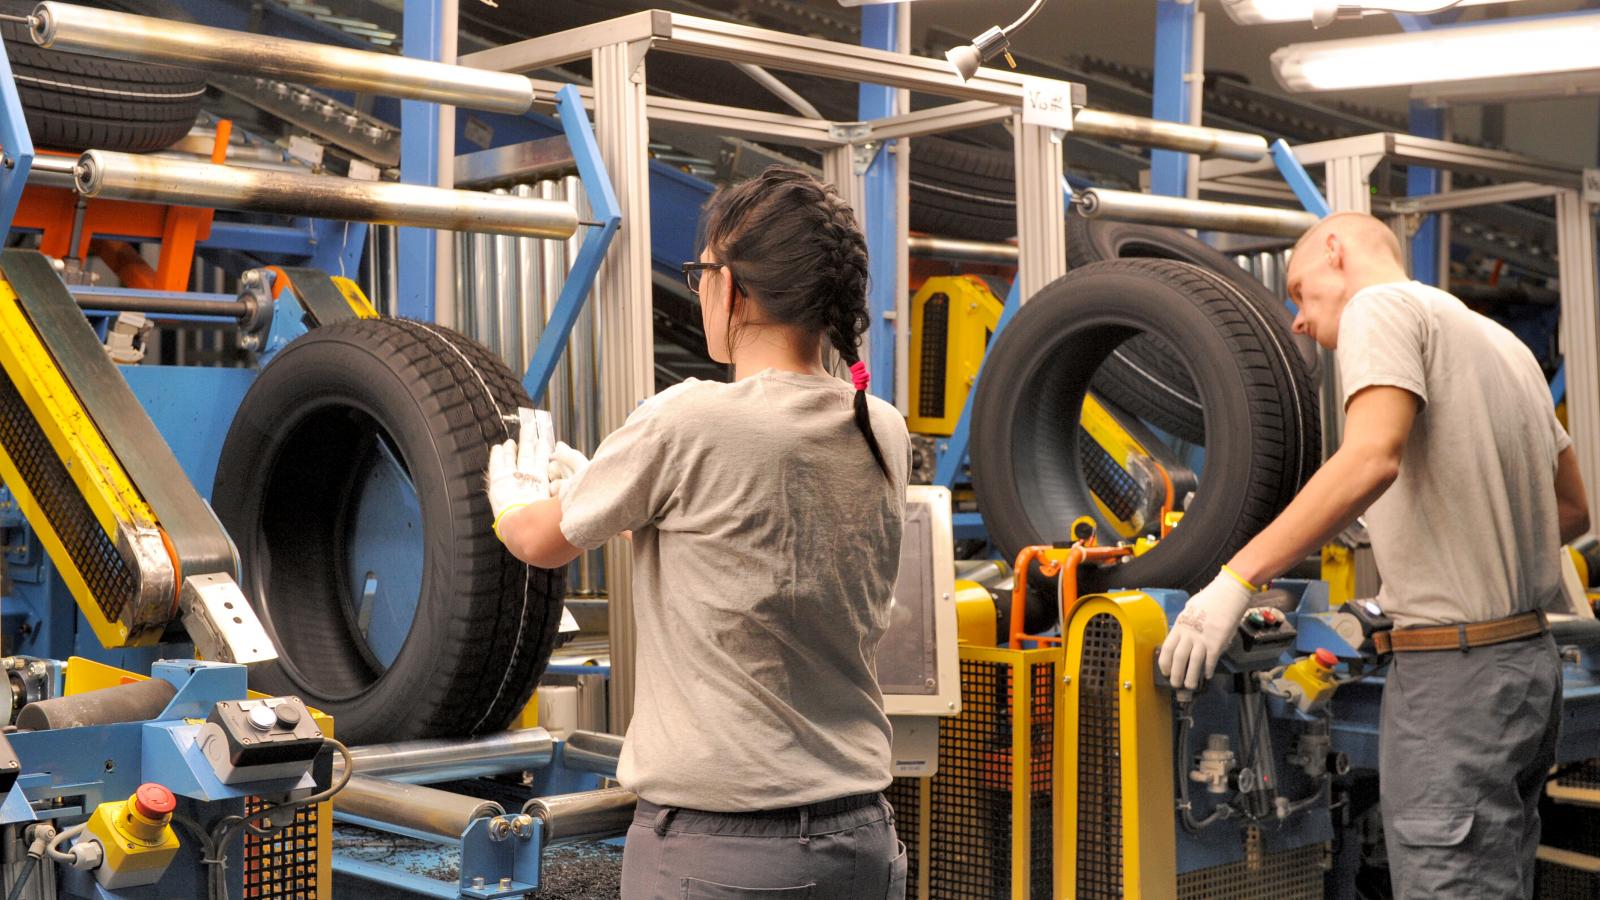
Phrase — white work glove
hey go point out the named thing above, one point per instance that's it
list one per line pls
(1203, 631)
(518, 474)
(565, 465)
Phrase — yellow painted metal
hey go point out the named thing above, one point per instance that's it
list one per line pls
(1580, 563)
(137, 849)
(975, 615)
(353, 295)
(84, 675)
(1313, 678)
(974, 311)
(95, 471)
(1121, 446)
(529, 717)
(1149, 852)
(1339, 571)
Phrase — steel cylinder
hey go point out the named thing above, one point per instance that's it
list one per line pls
(1097, 123)
(584, 816)
(128, 176)
(413, 807)
(135, 702)
(592, 751)
(53, 171)
(962, 250)
(1131, 206)
(448, 759)
(126, 36)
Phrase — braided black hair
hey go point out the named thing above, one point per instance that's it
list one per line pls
(794, 247)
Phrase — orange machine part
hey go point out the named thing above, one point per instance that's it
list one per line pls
(179, 228)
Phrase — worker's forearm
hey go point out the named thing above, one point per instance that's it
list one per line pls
(533, 534)
(1339, 492)
(1574, 523)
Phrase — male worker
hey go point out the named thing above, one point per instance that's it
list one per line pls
(1469, 486)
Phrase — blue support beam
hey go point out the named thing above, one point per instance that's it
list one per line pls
(338, 247)
(954, 455)
(607, 211)
(419, 164)
(1428, 122)
(15, 144)
(880, 31)
(1169, 169)
(1298, 179)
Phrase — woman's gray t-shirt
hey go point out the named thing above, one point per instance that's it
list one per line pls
(766, 542)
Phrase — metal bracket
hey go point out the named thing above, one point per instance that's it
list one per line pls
(1591, 186)
(255, 291)
(850, 132)
(338, 123)
(861, 156)
(221, 622)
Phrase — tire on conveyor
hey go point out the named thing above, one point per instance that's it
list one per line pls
(485, 623)
(1140, 378)
(1261, 427)
(962, 191)
(73, 101)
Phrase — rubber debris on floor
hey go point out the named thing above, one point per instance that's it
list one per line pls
(585, 871)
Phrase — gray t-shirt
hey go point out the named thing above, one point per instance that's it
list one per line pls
(1468, 531)
(765, 547)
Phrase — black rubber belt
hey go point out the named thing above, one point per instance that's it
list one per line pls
(202, 544)
(318, 295)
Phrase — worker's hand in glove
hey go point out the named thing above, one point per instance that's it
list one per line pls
(565, 465)
(1203, 631)
(518, 475)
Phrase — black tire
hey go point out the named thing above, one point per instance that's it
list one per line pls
(485, 623)
(1262, 429)
(962, 191)
(73, 101)
(1140, 377)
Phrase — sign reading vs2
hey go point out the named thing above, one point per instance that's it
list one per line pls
(1047, 103)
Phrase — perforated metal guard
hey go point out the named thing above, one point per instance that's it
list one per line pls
(1099, 850)
(1583, 776)
(285, 864)
(1290, 875)
(1041, 782)
(92, 552)
(935, 343)
(1106, 479)
(1558, 882)
(905, 796)
(970, 846)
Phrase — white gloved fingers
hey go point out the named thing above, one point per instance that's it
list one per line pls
(1198, 669)
(1183, 667)
(498, 461)
(1169, 649)
(571, 459)
(1212, 659)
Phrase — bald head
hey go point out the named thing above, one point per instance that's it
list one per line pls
(1361, 234)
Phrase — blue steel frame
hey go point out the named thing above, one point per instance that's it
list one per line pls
(423, 28)
(1298, 179)
(16, 144)
(1175, 19)
(880, 31)
(953, 454)
(580, 280)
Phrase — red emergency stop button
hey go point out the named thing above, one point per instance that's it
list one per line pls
(154, 801)
(1326, 658)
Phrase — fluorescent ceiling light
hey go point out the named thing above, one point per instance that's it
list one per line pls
(1258, 12)
(1563, 44)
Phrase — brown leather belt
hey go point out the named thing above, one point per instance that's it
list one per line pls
(1462, 637)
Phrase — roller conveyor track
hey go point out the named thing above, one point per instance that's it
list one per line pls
(91, 472)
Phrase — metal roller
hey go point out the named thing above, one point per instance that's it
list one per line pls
(585, 816)
(125, 36)
(591, 751)
(128, 176)
(53, 171)
(133, 702)
(961, 250)
(412, 807)
(1131, 206)
(422, 762)
(1097, 123)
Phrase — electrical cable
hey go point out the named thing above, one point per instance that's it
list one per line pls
(1185, 809)
(22, 878)
(62, 836)
(1032, 10)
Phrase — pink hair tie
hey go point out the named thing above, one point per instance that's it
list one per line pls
(859, 375)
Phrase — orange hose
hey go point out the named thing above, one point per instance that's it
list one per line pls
(1166, 508)
(1067, 569)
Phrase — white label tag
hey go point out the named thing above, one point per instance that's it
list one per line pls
(1591, 185)
(1047, 103)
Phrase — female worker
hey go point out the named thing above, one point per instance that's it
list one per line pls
(766, 517)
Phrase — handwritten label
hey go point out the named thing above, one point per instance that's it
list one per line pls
(1047, 103)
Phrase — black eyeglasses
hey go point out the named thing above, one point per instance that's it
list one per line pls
(693, 270)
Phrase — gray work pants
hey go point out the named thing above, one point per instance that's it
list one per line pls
(684, 854)
(1466, 742)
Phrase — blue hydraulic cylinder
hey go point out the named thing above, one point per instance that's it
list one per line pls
(419, 164)
(880, 31)
(1169, 169)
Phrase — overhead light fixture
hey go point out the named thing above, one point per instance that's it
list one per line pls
(1562, 44)
(1324, 12)
(968, 57)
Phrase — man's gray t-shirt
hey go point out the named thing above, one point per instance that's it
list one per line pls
(766, 542)
(1468, 532)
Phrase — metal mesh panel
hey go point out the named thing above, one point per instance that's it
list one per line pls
(92, 553)
(935, 343)
(1290, 875)
(1099, 850)
(1041, 781)
(283, 865)
(1558, 882)
(905, 797)
(1584, 775)
(969, 850)
(1106, 479)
